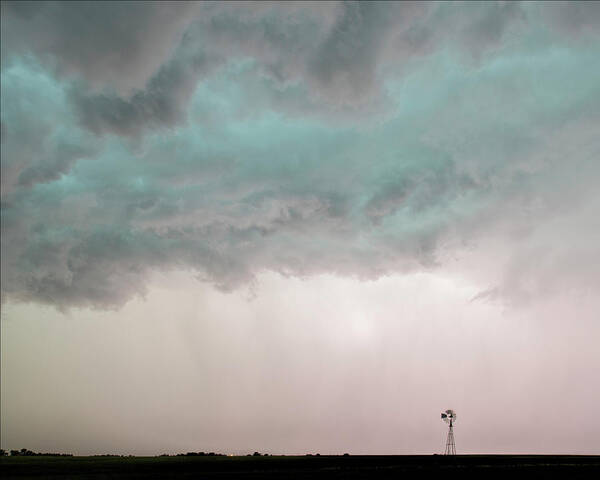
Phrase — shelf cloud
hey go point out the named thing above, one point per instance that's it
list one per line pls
(355, 139)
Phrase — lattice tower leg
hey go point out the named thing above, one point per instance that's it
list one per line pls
(450, 446)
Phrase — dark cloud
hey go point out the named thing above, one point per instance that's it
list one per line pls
(163, 103)
(489, 23)
(576, 19)
(115, 44)
(334, 53)
(344, 66)
(416, 186)
(51, 168)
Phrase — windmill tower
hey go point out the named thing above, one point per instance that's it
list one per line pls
(449, 416)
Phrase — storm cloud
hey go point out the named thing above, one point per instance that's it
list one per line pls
(356, 139)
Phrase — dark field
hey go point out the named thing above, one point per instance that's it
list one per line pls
(294, 467)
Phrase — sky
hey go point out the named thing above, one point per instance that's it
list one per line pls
(300, 227)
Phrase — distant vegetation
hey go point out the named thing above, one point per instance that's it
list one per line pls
(195, 454)
(24, 452)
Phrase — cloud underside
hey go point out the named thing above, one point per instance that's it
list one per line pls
(360, 139)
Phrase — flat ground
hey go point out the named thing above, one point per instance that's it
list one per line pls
(296, 467)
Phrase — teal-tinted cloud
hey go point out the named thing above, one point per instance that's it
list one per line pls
(242, 170)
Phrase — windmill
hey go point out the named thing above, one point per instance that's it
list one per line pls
(449, 416)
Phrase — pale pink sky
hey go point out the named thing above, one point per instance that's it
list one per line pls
(324, 365)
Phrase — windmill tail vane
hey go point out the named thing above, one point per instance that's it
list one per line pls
(449, 416)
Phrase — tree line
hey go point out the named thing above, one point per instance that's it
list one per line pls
(24, 452)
